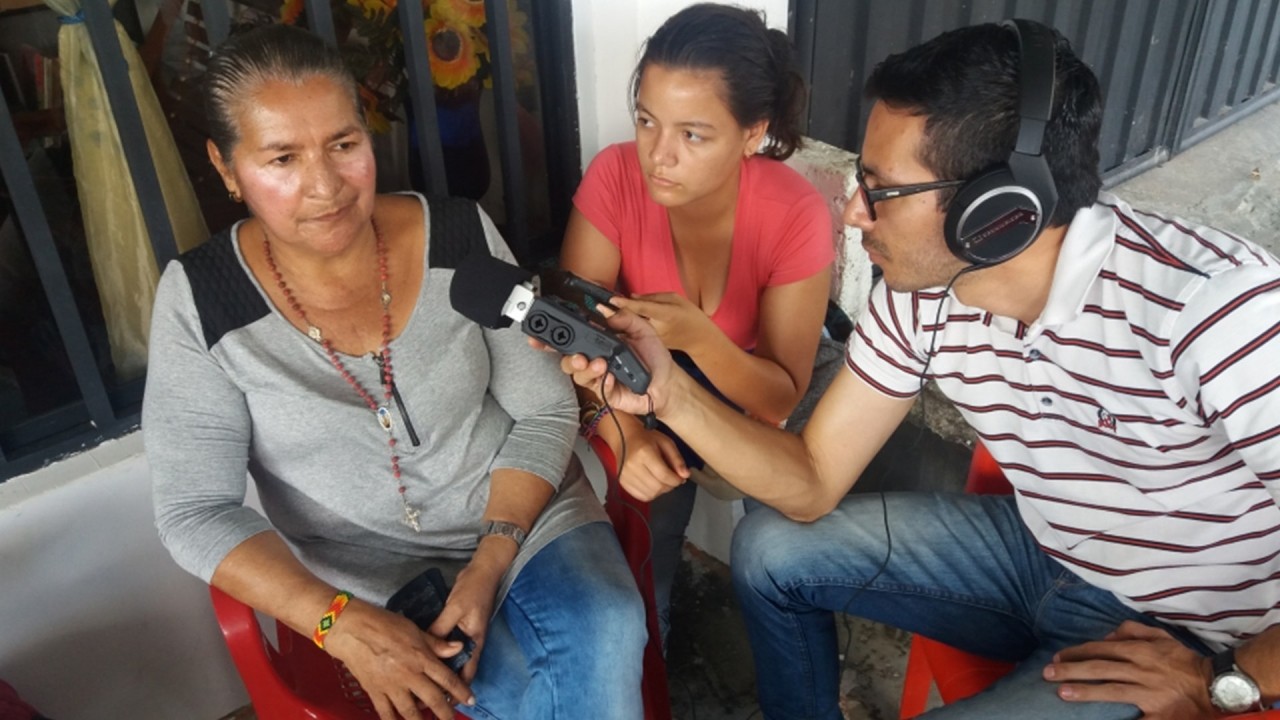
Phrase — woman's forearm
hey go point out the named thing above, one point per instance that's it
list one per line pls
(263, 573)
(517, 497)
(760, 386)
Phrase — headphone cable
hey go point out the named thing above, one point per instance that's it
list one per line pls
(893, 459)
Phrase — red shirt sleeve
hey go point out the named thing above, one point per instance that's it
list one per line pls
(602, 195)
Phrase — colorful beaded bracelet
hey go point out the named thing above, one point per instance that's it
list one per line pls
(330, 617)
(589, 430)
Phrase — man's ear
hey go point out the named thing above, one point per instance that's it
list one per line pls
(223, 168)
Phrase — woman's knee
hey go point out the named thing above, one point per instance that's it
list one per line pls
(615, 621)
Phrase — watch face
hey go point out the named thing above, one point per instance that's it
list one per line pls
(1234, 692)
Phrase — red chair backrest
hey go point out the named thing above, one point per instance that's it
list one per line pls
(630, 519)
(985, 475)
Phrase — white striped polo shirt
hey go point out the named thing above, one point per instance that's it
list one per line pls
(1138, 419)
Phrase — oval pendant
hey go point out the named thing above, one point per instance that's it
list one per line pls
(384, 418)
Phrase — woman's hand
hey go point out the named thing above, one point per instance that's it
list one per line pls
(397, 664)
(652, 464)
(680, 324)
(469, 607)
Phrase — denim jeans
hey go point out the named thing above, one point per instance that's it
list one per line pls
(568, 640)
(963, 570)
(669, 515)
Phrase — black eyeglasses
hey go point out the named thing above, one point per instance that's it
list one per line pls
(872, 196)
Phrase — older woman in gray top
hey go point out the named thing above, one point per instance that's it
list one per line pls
(311, 347)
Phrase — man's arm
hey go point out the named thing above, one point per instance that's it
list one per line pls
(803, 476)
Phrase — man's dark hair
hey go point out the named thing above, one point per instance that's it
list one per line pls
(755, 63)
(965, 82)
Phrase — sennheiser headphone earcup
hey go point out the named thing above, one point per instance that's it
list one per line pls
(992, 218)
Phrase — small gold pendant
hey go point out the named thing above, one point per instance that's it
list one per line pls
(384, 418)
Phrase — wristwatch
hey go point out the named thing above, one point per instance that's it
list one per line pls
(1231, 690)
(505, 529)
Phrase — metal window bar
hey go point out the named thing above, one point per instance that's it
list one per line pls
(35, 227)
(559, 105)
(510, 160)
(124, 108)
(320, 19)
(217, 21)
(422, 97)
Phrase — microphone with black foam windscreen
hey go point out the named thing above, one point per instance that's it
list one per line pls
(480, 286)
(493, 293)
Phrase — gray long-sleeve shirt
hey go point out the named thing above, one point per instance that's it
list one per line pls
(234, 387)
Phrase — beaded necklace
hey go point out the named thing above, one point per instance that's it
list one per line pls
(380, 411)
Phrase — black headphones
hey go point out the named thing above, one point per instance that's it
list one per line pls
(1000, 212)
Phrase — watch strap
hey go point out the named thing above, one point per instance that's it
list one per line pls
(1224, 662)
(1224, 670)
(506, 529)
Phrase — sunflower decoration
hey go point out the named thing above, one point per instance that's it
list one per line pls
(290, 10)
(454, 52)
(465, 12)
(457, 46)
(375, 10)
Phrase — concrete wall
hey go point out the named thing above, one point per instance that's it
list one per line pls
(96, 621)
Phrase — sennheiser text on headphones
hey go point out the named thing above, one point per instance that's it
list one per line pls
(999, 213)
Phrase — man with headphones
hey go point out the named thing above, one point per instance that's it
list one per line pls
(1121, 368)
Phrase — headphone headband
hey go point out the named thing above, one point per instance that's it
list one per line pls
(999, 213)
(1035, 96)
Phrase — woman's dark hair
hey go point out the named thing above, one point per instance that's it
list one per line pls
(965, 82)
(269, 52)
(754, 62)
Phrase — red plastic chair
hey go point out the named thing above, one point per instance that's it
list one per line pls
(630, 519)
(295, 680)
(958, 674)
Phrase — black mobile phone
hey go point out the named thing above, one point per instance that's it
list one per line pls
(582, 293)
(422, 600)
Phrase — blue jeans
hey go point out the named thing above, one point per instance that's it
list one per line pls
(669, 515)
(568, 640)
(963, 570)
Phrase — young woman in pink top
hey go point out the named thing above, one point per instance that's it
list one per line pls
(701, 228)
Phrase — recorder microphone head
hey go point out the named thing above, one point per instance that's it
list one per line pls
(492, 293)
(488, 291)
